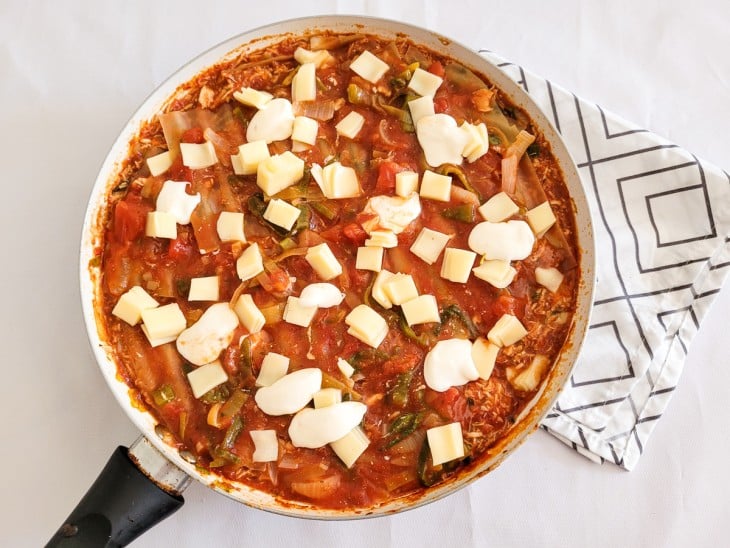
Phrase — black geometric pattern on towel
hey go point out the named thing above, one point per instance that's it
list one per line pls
(661, 222)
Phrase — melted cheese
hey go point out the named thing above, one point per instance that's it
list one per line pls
(313, 428)
(174, 200)
(203, 341)
(510, 241)
(395, 213)
(321, 295)
(290, 393)
(449, 363)
(441, 139)
(273, 122)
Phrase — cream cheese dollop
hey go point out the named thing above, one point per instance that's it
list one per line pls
(313, 428)
(203, 341)
(506, 241)
(395, 213)
(174, 200)
(441, 139)
(449, 363)
(290, 393)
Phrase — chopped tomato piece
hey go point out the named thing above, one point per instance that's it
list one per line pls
(437, 68)
(450, 404)
(355, 233)
(181, 247)
(440, 104)
(386, 177)
(193, 135)
(130, 217)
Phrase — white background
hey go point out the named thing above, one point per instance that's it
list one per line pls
(71, 73)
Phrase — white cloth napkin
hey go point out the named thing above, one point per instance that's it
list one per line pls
(661, 222)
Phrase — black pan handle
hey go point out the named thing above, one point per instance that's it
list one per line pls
(122, 503)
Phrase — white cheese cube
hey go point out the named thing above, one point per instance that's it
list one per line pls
(378, 291)
(369, 258)
(305, 130)
(400, 288)
(273, 367)
(130, 305)
(382, 238)
(540, 219)
(351, 446)
(423, 106)
(484, 355)
(320, 58)
(429, 244)
(457, 264)
(198, 155)
(424, 82)
(304, 83)
(206, 377)
(164, 321)
(406, 183)
(249, 314)
(435, 186)
(369, 67)
(350, 125)
(266, 446)
(477, 141)
(422, 309)
(156, 342)
(498, 208)
(204, 289)
(529, 377)
(507, 331)
(296, 314)
(230, 226)
(345, 368)
(249, 156)
(252, 97)
(323, 261)
(550, 278)
(278, 172)
(338, 181)
(161, 225)
(281, 213)
(496, 272)
(367, 325)
(327, 397)
(250, 263)
(159, 163)
(446, 443)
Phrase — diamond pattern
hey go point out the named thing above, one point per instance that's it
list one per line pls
(661, 222)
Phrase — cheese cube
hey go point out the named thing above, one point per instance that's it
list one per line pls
(156, 342)
(540, 219)
(477, 141)
(296, 314)
(550, 278)
(424, 82)
(326, 397)
(304, 83)
(429, 244)
(382, 238)
(367, 325)
(339, 181)
(250, 263)
(161, 225)
(281, 213)
(507, 331)
(369, 67)
(351, 446)
(446, 443)
(423, 106)
(273, 367)
(435, 186)
(406, 182)
(422, 309)
(305, 130)
(230, 226)
(164, 321)
(498, 208)
(249, 156)
(159, 163)
(320, 58)
(198, 155)
(529, 377)
(204, 289)
(378, 291)
(496, 272)
(345, 368)
(130, 305)
(266, 446)
(206, 377)
(369, 258)
(323, 261)
(252, 97)
(249, 314)
(350, 125)
(484, 355)
(278, 172)
(457, 264)
(400, 288)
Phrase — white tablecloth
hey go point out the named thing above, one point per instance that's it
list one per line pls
(70, 75)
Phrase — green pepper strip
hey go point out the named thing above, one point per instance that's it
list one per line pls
(163, 395)
(324, 210)
(465, 213)
(451, 169)
(402, 427)
(398, 395)
(454, 311)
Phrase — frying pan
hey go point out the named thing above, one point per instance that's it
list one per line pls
(143, 484)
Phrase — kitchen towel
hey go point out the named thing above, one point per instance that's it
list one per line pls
(661, 222)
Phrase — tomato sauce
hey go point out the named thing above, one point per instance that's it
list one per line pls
(213, 430)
